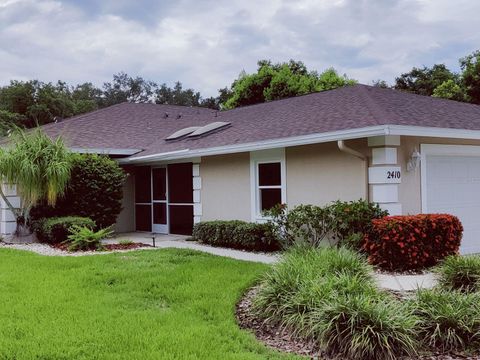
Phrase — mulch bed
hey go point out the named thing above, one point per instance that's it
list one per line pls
(107, 247)
(273, 336)
(282, 339)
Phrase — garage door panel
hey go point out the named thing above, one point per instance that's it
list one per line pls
(453, 187)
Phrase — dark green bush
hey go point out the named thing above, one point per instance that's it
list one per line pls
(95, 190)
(449, 320)
(341, 223)
(328, 295)
(236, 234)
(353, 217)
(459, 273)
(55, 230)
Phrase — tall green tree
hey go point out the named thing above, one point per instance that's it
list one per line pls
(37, 103)
(39, 167)
(86, 97)
(126, 88)
(279, 81)
(449, 90)
(423, 81)
(177, 95)
(470, 66)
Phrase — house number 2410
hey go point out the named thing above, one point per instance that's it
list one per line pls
(393, 174)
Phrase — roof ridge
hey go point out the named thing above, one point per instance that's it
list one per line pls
(373, 106)
(292, 97)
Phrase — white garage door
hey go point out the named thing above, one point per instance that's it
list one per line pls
(452, 186)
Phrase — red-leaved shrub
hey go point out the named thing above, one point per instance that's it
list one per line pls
(412, 242)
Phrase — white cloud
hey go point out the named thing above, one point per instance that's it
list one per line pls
(205, 44)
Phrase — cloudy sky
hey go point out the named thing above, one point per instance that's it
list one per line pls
(205, 44)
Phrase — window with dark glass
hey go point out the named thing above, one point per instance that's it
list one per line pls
(269, 185)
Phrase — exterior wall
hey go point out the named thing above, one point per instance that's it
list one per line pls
(321, 173)
(225, 191)
(8, 223)
(410, 187)
(126, 218)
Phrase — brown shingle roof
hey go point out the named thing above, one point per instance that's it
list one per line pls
(145, 127)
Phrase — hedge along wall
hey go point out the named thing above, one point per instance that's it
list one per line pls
(412, 242)
(236, 234)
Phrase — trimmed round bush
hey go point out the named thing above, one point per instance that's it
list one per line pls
(236, 234)
(56, 230)
(328, 295)
(412, 242)
(459, 273)
(449, 320)
(95, 190)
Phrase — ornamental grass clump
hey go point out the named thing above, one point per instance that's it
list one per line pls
(363, 326)
(329, 295)
(449, 320)
(459, 273)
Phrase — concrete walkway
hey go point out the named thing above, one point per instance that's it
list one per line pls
(406, 282)
(386, 281)
(179, 242)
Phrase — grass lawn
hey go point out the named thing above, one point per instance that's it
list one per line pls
(163, 304)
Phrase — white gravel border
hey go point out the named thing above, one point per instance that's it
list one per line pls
(44, 249)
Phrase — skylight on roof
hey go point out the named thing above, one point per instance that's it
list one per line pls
(182, 132)
(209, 128)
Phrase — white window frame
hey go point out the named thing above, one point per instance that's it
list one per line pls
(265, 157)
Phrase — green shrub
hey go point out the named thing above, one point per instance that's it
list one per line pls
(56, 229)
(84, 238)
(459, 273)
(449, 320)
(95, 190)
(354, 217)
(329, 295)
(236, 234)
(341, 222)
(304, 224)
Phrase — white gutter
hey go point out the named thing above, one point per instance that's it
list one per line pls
(262, 145)
(407, 130)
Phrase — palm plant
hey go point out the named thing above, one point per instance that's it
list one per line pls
(39, 167)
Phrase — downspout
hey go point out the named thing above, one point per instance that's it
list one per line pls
(344, 148)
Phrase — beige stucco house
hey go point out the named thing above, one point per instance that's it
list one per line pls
(409, 153)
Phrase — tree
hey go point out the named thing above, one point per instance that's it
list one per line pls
(40, 169)
(279, 81)
(470, 66)
(36, 102)
(177, 95)
(424, 80)
(381, 84)
(10, 121)
(86, 97)
(126, 88)
(449, 90)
